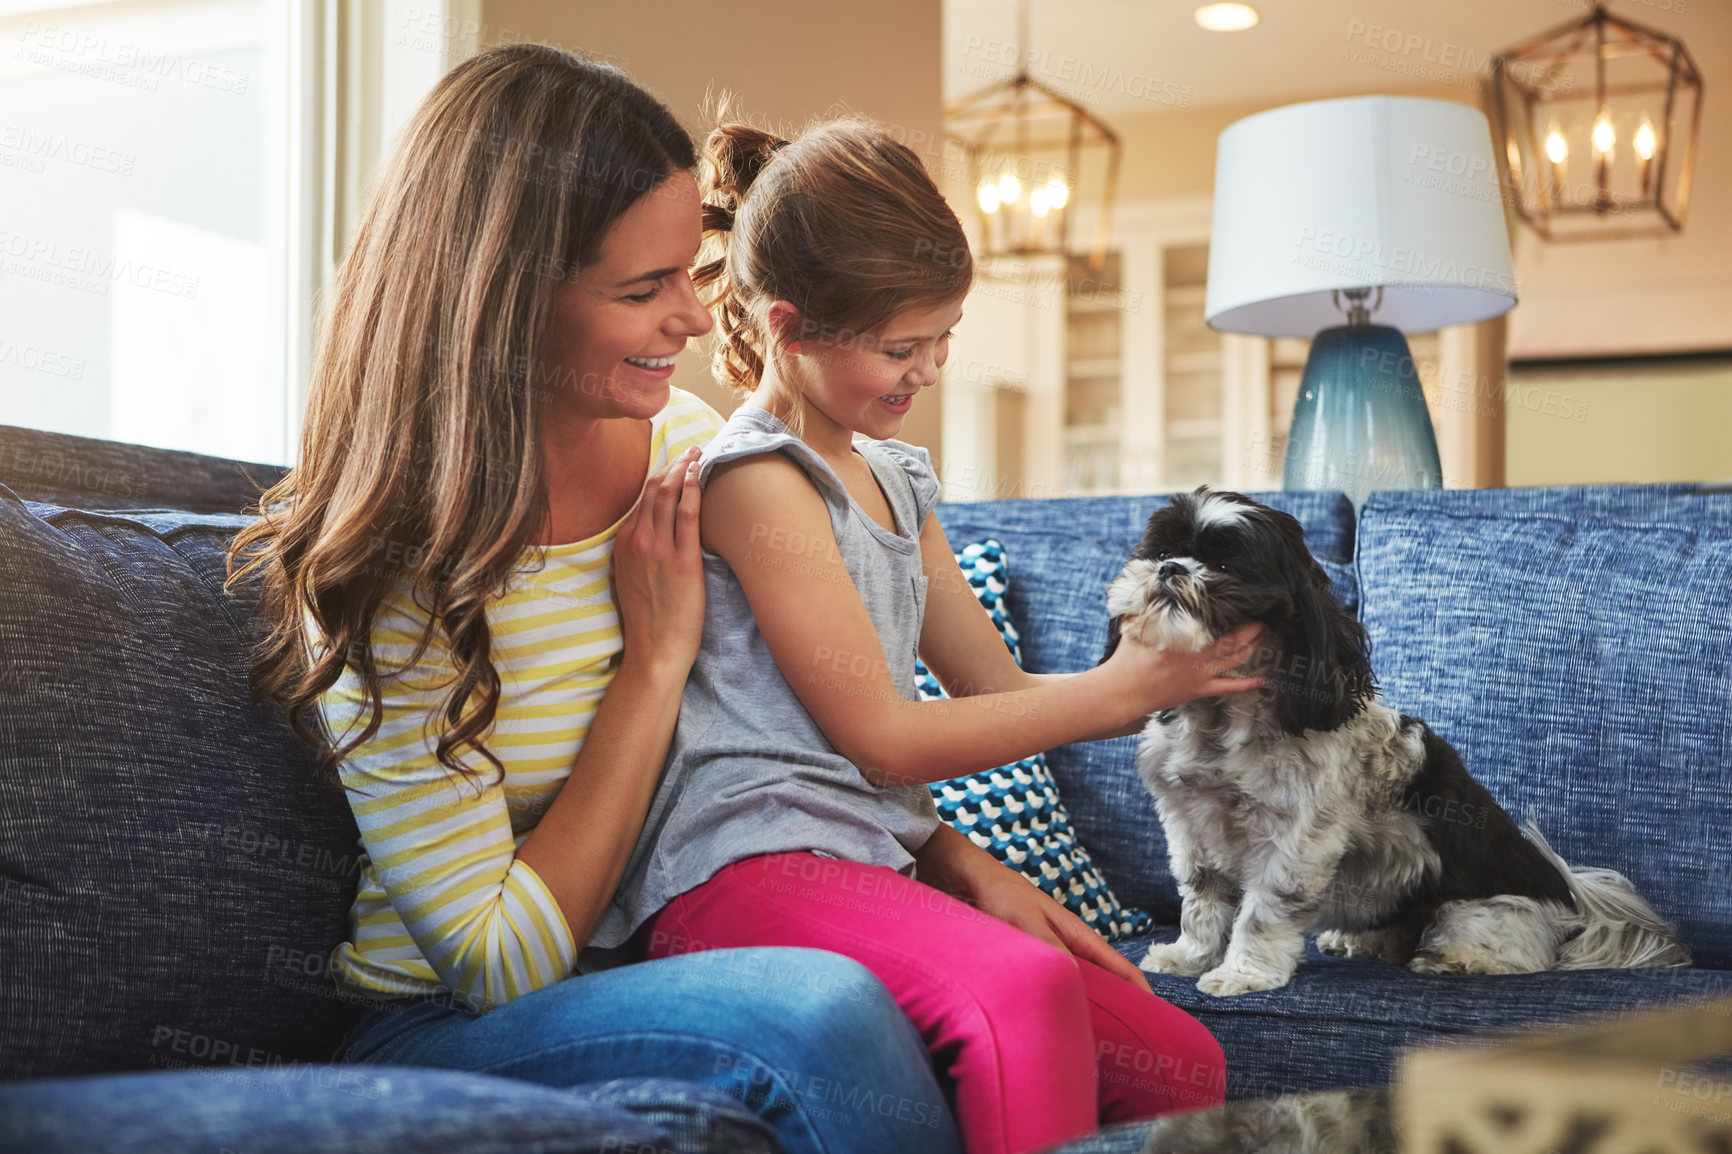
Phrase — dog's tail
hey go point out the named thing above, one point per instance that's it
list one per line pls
(1617, 928)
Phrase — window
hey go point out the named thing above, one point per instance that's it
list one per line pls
(178, 178)
(145, 248)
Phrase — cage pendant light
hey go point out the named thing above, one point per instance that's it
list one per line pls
(1596, 122)
(1033, 157)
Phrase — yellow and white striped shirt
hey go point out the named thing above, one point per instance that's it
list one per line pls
(442, 901)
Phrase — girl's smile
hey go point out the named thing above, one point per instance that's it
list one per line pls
(868, 384)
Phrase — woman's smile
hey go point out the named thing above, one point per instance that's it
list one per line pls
(661, 368)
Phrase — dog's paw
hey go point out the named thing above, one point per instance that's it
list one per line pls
(1229, 981)
(1426, 962)
(1462, 960)
(1375, 945)
(1174, 958)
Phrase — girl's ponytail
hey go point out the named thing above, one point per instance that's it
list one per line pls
(733, 156)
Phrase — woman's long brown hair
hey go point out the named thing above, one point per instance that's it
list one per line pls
(420, 461)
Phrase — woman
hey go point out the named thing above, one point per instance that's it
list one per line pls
(485, 593)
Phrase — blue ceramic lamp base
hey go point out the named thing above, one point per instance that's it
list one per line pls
(1360, 421)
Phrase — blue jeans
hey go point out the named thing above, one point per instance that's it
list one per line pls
(810, 1041)
(321, 1109)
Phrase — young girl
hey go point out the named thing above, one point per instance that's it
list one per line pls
(794, 808)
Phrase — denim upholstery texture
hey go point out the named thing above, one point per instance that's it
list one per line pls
(1343, 1023)
(1577, 649)
(87, 473)
(1678, 503)
(173, 878)
(1063, 554)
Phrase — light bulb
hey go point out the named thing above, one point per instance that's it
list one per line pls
(1037, 202)
(1556, 149)
(1645, 140)
(1009, 188)
(1604, 137)
(1226, 17)
(988, 196)
(1057, 192)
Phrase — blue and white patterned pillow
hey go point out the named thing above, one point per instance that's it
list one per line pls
(1014, 812)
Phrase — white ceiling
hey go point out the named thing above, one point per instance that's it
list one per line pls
(1127, 56)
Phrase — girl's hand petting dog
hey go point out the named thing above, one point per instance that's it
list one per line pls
(1155, 679)
(1164, 678)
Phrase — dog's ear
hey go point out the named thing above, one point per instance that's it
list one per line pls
(1112, 639)
(1323, 671)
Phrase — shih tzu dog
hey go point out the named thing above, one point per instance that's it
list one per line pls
(1308, 806)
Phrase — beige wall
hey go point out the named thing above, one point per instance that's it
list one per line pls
(1571, 425)
(789, 61)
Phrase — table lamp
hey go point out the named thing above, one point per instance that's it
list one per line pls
(1333, 212)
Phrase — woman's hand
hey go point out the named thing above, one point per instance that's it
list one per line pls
(1156, 679)
(658, 570)
(962, 869)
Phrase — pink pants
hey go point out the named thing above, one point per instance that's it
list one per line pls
(1042, 1046)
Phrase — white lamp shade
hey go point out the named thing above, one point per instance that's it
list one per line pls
(1341, 194)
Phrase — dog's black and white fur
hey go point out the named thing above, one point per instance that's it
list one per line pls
(1309, 806)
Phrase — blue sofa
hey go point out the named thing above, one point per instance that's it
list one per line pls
(1575, 644)
(171, 883)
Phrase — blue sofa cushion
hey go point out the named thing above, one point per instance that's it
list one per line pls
(1327, 516)
(1342, 1023)
(1014, 811)
(1576, 647)
(87, 473)
(172, 877)
(1682, 503)
(1063, 554)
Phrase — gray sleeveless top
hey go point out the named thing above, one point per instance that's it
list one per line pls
(749, 771)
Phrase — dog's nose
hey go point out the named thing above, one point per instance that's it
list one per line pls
(1169, 569)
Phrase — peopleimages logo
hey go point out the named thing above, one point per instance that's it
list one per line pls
(72, 50)
(40, 360)
(1426, 57)
(45, 146)
(1073, 73)
(86, 269)
(1365, 259)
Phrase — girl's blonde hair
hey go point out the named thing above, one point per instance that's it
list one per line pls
(843, 223)
(421, 458)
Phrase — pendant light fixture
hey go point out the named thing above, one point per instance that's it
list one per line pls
(1596, 122)
(1033, 157)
